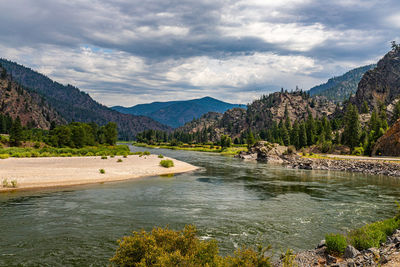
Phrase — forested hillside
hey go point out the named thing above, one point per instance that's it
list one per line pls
(340, 88)
(75, 105)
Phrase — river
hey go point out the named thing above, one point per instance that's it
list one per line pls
(236, 202)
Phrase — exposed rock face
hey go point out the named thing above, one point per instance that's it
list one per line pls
(266, 152)
(389, 143)
(29, 106)
(382, 84)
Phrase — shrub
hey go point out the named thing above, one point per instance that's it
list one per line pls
(102, 171)
(372, 235)
(14, 183)
(89, 154)
(335, 243)
(119, 160)
(160, 156)
(358, 151)
(37, 145)
(5, 183)
(4, 156)
(167, 163)
(165, 247)
(146, 153)
(104, 157)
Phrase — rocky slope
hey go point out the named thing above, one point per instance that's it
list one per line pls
(32, 109)
(389, 143)
(75, 105)
(340, 88)
(262, 113)
(382, 84)
(177, 113)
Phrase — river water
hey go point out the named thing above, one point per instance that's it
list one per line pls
(236, 202)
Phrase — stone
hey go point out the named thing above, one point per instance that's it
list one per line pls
(330, 259)
(351, 252)
(321, 244)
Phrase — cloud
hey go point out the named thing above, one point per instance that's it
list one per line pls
(128, 51)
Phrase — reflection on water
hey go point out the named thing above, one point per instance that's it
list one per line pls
(238, 203)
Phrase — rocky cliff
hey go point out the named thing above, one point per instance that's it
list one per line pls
(389, 143)
(382, 84)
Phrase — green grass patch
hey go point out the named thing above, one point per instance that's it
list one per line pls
(104, 157)
(102, 171)
(119, 160)
(4, 156)
(335, 243)
(160, 156)
(167, 163)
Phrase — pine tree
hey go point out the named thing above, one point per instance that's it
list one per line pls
(352, 128)
(16, 132)
(365, 108)
(285, 136)
(294, 136)
(310, 127)
(396, 112)
(302, 135)
(250, 140)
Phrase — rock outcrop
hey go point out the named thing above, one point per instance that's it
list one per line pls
(267, 152)
(389, 143)
(382, 84)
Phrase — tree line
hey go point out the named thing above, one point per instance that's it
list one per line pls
(75, 134)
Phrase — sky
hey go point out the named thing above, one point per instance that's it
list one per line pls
(126, 52)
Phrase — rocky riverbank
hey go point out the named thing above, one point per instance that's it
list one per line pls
(273, 153)
(387, 255)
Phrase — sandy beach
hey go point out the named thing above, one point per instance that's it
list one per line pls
(58, 171)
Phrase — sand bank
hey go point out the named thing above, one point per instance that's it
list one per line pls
(58, 171)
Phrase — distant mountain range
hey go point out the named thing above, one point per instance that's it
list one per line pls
(340, 88)
(74, 105)
(177, 113)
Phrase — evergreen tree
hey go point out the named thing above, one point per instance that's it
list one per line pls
(294, 136)
(310, 127)
(365, 108)
(16, 132)
(396, 112)
(352, 128)
(250, 140)
(302, 135)
(285, 136)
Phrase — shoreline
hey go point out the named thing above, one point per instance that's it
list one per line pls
(53, 172)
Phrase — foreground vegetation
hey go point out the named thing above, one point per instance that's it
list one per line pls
(370, 235)
(166, 247)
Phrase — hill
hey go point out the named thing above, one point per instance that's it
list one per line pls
(382, 84)
(75, 105)
(340, 88)
(31, 108)
(177, 113)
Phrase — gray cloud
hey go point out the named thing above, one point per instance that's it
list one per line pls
(128, 52)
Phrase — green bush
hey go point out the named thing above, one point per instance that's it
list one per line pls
(104, 157)
(5, 183)
(146, 153)
(372, 235)
(102, 171)
(335, 243)
(167, 163)
(14, 183)
(165, 247)
(358, 151)
(4, 156)
(160, 156)
(89, 154)
(119, 160)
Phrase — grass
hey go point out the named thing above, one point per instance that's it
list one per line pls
(234, 150)
(119, 160)
(368, 236)
(4, 156)
(104, 157)
(160, 156)
(167, 163)
(14, 183)
(5, 183)
(335, 243)
(102, 171)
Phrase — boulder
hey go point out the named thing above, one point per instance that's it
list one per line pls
(351, 252)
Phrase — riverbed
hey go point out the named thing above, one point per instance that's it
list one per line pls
(236, 202)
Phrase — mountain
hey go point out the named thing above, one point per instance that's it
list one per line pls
(261, 114)
(389, 143)
(18, 101)
(75, 105)
(177, 113)
(382, 84)
(340, 88)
